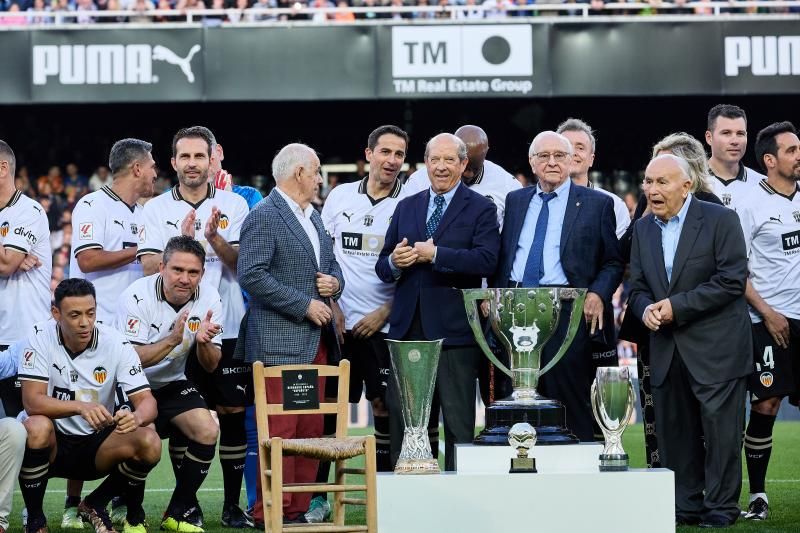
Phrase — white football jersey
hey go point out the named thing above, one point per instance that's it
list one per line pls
(144, 316)
(495, 183)
(771, 225)
(162, 220)
(621, 213)
(24, 296)
(89, 376)
(733, 192)
(358, 226)
(103, 221)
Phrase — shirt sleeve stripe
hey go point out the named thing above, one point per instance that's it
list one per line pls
(17, 248)
(148, 251)
(91, 245)
(29, 377)
(131, 392)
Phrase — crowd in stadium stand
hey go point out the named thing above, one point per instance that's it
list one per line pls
(81, 10)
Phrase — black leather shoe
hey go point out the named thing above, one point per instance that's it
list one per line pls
(682, 520)
(717, 523)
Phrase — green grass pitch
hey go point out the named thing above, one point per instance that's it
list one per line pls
(783, 486)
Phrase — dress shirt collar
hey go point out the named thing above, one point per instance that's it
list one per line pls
(679, 218)
(562, 191)
(447, 196)
(294, 206)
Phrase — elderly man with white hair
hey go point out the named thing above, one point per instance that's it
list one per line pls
(688, 279)
(287, 266)
(558, 234)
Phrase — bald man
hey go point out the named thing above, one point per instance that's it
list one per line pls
(688, 279)
(480, 175)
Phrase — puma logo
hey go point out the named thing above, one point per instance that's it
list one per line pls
(88, 202)
(242, 388)
(162, 53)
(36, 329)
(60, 370)
(37, 208)
(121, 225)
(778, 220)
(137, 299)
(157, 328)
(347, 216)
(173, 224)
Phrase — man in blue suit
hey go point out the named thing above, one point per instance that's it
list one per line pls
(559, 235)
(440, 240)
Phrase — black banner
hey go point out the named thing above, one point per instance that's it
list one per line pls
(361, 62)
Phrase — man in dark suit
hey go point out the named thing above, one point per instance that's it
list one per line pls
(559, 234)
(287, 266)
(688, 278)
(440, 240)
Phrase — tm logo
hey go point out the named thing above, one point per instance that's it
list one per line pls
(106, 64)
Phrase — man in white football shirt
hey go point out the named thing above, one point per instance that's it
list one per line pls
(357, 216)
(25, 269)
(770, 218)
(168, 316)
(581, 135)
(726, 134)
(70, 370)
(195, 207)
(106, 226)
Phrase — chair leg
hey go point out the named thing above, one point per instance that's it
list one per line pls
(265, 465)
(370, 467)
(338, 497)
(276, 509)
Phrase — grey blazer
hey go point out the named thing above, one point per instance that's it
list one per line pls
(711, 327)
(278, 270)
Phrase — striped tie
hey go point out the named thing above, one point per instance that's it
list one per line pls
(436, 217)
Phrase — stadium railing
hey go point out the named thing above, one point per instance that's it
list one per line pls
(269, 16)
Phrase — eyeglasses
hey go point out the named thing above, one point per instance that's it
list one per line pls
(544, 157)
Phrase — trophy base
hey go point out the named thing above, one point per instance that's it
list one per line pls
(547, 416)
(416, 466)
(614, 462)
(523, 465)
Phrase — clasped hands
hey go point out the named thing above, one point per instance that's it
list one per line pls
(658, 314)
(405, 256)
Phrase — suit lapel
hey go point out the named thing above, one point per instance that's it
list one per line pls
(293, 224)
(515, 224)
(457, 204)
(571, 214)
(421, 206)
(316, 219)
(654, 242)
(686, 240)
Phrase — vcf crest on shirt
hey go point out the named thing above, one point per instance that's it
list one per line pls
(796, 215)
(726, 199)
(766, 379)
(100, 374)
(193, 324)
(73, 376)
(223, 221)
(4, 229)
(368, 220)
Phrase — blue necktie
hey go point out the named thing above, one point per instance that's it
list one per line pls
(534, 267)
(436, 217)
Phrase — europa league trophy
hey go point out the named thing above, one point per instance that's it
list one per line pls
(414, 365)
(524, 319)
(612, 403)
(522, 437)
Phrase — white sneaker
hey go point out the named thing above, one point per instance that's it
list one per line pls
(318, 511)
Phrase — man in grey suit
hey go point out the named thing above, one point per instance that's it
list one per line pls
(688, 276)
(287, 266)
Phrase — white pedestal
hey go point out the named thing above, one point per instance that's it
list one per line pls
(584, 457)
(614, 502)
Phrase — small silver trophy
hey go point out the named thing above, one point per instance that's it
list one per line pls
(522, 437)
(612, 403)
(414, 365)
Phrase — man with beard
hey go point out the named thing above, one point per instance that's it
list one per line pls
(727, 136)
(196, 205)
(770, 219)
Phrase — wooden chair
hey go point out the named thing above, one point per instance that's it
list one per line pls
(337, 450)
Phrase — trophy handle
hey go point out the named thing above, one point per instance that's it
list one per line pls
(574, 323)
(471, 298)
(631, 402)
(593, 401)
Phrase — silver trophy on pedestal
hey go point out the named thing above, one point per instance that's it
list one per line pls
(523, 320)
(414, 365)
(612, 403)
